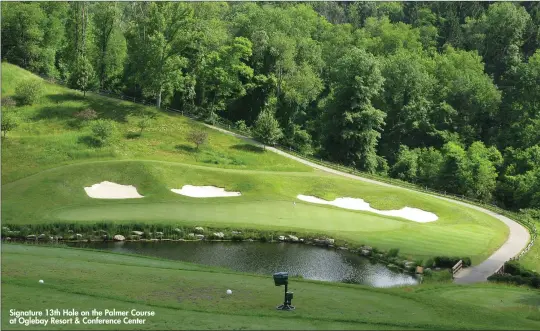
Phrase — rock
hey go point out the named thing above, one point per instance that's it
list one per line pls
(318, 241)
(191, 235)
(369, 248)
(199, 229)
(70, 231)
(8, 238)
(31, 237)
(78, 235)
(301, 240)
(236, 232)
(419, 270)
(281, 238)
(343, 248)
(330, 246)
(159, 234)
(219, 235)
(293, 238)
(41, 236)
(167, 239)
(177, 230)
(119, 237)
(154, 239)
(329, 241)
(181, 239)
(5, 228)
(199, 236)
(250, 240)
(409, 264)
(437, 269)
(104, 237)
(137, 233)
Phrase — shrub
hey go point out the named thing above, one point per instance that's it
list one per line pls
(8, 102)
(86, 115)
(428, 263)
(9, 122)
(393, 252)
(198, 137)
(28, 91)
(241, 126)
(144, 123)
(103, 131)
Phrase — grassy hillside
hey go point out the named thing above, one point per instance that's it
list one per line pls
(187, 296)
(49, 135)
(45, 167)
(58, 195)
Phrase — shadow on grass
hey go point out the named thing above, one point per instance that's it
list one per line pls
(89, 141)
(186, 148)
(248, 148)
(106, 108)
(530, 300)
(133, 135)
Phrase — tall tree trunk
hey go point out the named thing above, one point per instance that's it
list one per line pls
(158, 102)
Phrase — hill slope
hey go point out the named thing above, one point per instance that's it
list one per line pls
(46, 165)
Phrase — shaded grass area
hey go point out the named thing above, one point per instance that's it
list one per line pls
(531, 259)
(188, 296)
(49, 135)
(266, 203)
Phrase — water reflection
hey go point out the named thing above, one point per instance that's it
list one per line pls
(266, 258)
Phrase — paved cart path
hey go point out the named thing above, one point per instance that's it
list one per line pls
(517, 240)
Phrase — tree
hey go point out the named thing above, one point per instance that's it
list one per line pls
(109, 43)
(9, 122)
(198, 137)
(267, 128)
(406, 167)
(157, 44)
(82, 77)
(352, 124)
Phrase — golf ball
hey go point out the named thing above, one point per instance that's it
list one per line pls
(41, 281)
(229, 292)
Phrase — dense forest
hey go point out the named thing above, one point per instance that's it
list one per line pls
(442, 94)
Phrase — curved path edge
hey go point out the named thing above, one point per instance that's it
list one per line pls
(517, 240)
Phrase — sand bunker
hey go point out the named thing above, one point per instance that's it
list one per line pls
(108, 190)
(411, 214)
(204, 192)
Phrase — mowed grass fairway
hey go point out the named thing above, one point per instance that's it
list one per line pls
(266, 203)
(187, 296)
(46, 165)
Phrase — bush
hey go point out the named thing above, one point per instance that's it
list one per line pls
(9, 122)
(86, 115)
(8, 102)
(103, 131)
(198, 137)
(449, 262)
(28, 91)
(393, 252)
(241, 126)
(428, 263)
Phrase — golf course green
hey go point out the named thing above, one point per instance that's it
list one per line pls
(187, 296)
(46, 165)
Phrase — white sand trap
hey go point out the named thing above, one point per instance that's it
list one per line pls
(108, 190)
(411, 214)
(204, 192)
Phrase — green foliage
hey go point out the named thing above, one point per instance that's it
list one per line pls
(241, 125)
(198, 137)
(393, 252)
(29, 91)
(82, 76)
(103, 131)
(144, 122)
(9, 122)
(267, 128)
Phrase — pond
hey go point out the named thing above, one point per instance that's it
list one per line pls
(310, 262)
